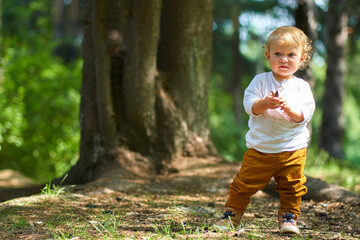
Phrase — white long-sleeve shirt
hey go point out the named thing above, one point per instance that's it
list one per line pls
(273, 131)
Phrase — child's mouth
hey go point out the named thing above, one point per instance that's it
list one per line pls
(284, 67)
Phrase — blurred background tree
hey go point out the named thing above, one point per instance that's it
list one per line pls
(41, 68)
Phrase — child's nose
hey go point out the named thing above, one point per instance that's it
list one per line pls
(283, 59)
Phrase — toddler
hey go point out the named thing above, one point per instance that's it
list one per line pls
(280, 105)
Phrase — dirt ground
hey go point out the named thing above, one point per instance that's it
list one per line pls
(180, 206)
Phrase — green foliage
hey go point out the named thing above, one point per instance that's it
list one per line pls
(39, 132)
(39, 109)
(227, 135)
(352, 108)
(12, 114)
(26, 20)
(352, 130)
(320, 165)
(39, 95)
(318, 90)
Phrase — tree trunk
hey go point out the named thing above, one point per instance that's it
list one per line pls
(238, 61)
(140, 74)
(185, 67)
(57, 18)
(135, 116)
(66, 28)
(72, 20)
(332, 128)
(90, 136)
(107, 128)
(305, 17)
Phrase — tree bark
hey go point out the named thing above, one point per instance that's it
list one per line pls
(136, 116)
(90, 136)
(119, 16)
(332, 129)
(107, 127)
(140, 73)
(185, 64)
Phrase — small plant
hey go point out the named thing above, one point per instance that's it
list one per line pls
(21, 223)
(161, 229)
(54, 190)
(170, 228)
(107, 223)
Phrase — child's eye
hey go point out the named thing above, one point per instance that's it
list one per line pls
(277, 54)
(291, 55)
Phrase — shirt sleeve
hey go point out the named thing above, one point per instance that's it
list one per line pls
(308, 106)
(252, 93)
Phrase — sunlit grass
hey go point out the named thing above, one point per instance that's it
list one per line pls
(54, 190)
(337, 172)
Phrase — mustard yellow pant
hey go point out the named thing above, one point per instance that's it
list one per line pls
(256, 172)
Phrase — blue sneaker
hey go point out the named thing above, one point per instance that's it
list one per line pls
(229, 221)
(287, 223)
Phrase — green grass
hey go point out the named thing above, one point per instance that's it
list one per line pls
(54, 190)
(148, 215)
(333, 171)
(67, 216)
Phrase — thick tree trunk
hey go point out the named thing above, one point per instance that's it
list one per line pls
(105, 111)
(119, 15)
(140, 73)
(135, 117)
(90, 136)
(185, 65)
(332, 120)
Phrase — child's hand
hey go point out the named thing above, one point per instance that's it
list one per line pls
(295, 115)
(284, 106)
(272, 101)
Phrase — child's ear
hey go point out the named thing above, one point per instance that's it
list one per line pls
(302, 65)
(303, 57)
(267, 55)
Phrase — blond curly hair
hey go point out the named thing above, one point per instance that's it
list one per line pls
(289, 35)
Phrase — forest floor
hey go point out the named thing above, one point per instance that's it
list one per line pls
(179, 206)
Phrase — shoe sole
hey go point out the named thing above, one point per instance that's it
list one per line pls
(289, 230)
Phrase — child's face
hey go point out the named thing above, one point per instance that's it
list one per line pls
(284, 60)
